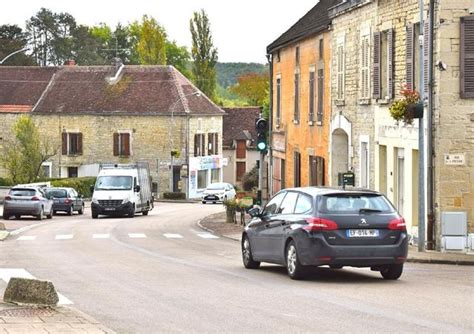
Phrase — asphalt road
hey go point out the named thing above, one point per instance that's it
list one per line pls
(161, 273)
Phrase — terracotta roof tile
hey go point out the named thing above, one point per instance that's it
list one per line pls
(238, 123)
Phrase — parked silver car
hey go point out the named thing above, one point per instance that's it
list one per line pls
(27, 201)
(218, 192)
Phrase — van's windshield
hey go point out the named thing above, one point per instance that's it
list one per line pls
(114, 182)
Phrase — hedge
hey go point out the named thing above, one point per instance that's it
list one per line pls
(176, 195)
(81, 184)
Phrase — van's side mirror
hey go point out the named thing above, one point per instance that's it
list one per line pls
(92, 189)
(137, 188)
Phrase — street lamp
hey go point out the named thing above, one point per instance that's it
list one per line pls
(173, 152)
(11, 54)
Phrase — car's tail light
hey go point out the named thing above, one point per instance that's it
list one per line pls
(7, 198)
(34, 198)
(320, 224)
(397, 225)
(67, 201)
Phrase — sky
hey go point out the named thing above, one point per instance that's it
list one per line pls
(241, 29)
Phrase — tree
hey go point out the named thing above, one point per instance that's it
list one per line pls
(179, 57)
(12, 38)
(253, 87)
(24, 156)
(204, 54)
(86, 47)
(150, 41)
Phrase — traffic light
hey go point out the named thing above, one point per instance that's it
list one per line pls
(261, 125)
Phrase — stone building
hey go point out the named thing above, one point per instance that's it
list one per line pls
(110, 114)
(300, 118)
(239, 142)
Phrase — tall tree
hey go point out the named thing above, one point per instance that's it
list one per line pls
(253, 87)
(24, 156)
(86, 47)
(12, 38)
(150, 41)
(179, 57)
(204, 54)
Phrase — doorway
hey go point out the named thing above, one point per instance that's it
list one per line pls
(339, 154)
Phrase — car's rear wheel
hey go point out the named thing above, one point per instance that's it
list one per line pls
(69, 211)
(40, 216)
(81, 210)
(203, 202)
(293, 266)
(17, 216)
(247, 257)
(50, 215)
(145, 213)
(6, 216)
(392, 271)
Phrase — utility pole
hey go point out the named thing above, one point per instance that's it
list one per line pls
(421, 142)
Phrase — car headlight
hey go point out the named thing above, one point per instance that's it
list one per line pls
(95, 200)
(125, 200)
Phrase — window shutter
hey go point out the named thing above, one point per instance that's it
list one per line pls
(64, 143)
(79, 143)
(311, 96)
(376, 67)
(216, 145)
(320, 94)
(126, 144)
(426, 55)
(203, 144)
(278, 102)
(410, 56)
(390, 62)
(196, 145)
(467, 57)
(297, 97)
(116, 144)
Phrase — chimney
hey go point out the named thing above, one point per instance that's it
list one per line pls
(70, 62)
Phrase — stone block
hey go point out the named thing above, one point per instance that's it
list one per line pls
(30, 291)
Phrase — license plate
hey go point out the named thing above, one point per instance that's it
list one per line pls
(362, 233)
(109, 209)
(212, 197)
(56, 201)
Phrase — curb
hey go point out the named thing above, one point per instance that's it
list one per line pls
(4, 235)
(213, 232)
(440, 261)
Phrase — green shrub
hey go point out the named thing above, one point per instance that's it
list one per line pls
(176, 195)
(5, 182)
(250, 179)
(81, 184)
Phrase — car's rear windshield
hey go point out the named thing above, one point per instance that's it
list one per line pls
(351, 203)
(22, 192)
(58, 193)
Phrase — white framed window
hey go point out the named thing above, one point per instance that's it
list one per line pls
(47, 167)
(364, 65)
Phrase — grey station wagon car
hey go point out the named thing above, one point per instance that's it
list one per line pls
(304, 227)
(27, 201)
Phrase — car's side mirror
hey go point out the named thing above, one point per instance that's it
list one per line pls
(137, 188)
(255, 212)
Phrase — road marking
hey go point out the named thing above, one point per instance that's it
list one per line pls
(137, 235)
(26, 238)
(173, 236)
(100, 236)
(208, 236)
(64, 236)
(7, 273)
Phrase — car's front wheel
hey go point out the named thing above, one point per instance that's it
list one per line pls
(94, 214)
(247, 257)
(81, 210)
(293, 266)
(392, 271)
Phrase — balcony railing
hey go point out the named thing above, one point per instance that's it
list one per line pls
(347, 5)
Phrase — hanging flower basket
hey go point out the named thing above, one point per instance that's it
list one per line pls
(408, 107)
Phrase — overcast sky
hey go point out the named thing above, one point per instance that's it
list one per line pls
(241, 29)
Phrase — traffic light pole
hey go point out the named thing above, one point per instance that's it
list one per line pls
(260, 178)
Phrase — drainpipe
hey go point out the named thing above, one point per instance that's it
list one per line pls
(430, 184)
(270, 121)
(421, 145)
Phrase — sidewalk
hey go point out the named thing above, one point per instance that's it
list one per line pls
(61, 319)
(217, 224)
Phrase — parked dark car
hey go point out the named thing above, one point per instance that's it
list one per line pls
(66, 200)
(27, 201)
(304, 227)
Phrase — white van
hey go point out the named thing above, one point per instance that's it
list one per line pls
(122, 189)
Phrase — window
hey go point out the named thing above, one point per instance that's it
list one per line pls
(241, 149)
(316, 170)
(304, 204)
(215, 175)
(199, 145)
(72, 143)
(240, 170)
(297, 169)
(340, 67)
(311, 97)
(321, 49)
(382, 82)
(272, 206)
(320, 95)
(297, 98)
(297, 56)
(202, 179)
(364, 74)
(288, 204)
(212, 143)
(467, 57)
(278, 174)
(47, 168)
(72, 172)
(122, 144)
(278, 101)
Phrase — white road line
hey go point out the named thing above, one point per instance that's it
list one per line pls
(137, 235)
(207, 236)
(7, 273)
(100, 236)
(173, 236)
(26, 238)
(64, 236)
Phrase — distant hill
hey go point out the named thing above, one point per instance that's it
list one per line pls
(227, 73)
